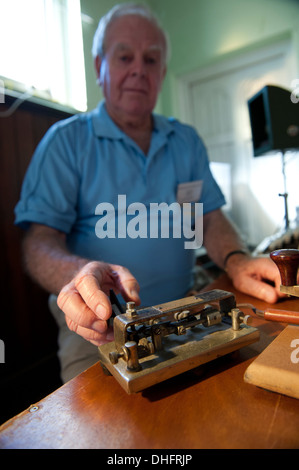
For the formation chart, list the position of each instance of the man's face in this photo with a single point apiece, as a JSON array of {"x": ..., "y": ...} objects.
[{"x": 132, "y": 70}]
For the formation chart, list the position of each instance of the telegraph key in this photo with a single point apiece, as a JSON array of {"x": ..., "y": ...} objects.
[{"x": 156, "y": 343}]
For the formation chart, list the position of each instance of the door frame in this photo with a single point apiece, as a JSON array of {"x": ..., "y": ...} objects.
[{"x": 278, "y": 46}]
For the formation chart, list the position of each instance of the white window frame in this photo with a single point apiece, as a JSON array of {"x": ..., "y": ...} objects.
[{"x": 41, "y": 50}]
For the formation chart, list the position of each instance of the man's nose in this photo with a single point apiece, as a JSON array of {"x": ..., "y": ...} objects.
[{"x": 138, "y": 68}]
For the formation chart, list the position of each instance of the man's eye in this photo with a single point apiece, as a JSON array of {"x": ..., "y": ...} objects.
[
  {"x": 124, "y": 58},
  {"x": 151, "y": 60}
]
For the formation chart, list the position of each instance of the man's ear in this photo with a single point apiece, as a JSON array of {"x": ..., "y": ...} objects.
[
  {"x": 163, "y": 74},
  {"x": 97, "y": 65}
]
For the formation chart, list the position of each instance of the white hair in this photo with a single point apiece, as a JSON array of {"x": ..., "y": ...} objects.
[{"x": 98, "y": 47}]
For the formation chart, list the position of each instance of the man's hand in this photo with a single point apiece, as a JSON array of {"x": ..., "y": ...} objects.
[
  {"x": 85, "y": 300},
  {"x": 83, "y": 285},
  {"x": 258, "y": 277}
]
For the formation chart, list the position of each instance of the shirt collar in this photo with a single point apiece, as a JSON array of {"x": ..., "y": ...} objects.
[{"x": 105, "y": 127}]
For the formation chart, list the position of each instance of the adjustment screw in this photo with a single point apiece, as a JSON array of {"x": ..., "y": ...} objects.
[{"x": 131, "y": 310}]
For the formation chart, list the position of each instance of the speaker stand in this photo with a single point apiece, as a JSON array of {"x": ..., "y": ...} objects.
[{"x": 285, "y": 194}]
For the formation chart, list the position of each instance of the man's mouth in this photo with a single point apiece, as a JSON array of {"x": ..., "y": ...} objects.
[{"x": 135, "y": 90}]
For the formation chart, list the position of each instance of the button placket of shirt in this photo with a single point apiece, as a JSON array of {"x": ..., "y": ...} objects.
[
  {"x": 158, "y": 141},
  {"x": 145, "y": 161}
]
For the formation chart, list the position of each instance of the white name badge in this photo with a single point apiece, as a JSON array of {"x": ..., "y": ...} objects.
[{"x": 189, "y": 192}]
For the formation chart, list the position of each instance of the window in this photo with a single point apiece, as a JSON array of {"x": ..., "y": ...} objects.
[{"x": 41, "y": 49}]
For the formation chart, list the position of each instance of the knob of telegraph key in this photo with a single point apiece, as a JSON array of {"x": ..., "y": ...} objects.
[{"x": 287, "y": 261}]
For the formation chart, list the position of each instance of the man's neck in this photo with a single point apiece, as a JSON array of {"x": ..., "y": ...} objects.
[{"x": 136, "y": 127}]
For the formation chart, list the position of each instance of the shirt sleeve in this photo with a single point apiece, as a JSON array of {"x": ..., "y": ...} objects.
[{"x": 50, "y": 187}]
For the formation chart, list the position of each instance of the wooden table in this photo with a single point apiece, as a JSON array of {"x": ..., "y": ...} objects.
[{"x": 209, "y": 407}]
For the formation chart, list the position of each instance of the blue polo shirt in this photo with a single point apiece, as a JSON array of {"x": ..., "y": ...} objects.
[{"x": 84, "y": 167}]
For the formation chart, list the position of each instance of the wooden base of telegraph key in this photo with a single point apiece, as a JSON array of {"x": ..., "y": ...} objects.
[{"x": 277, "y": 367}]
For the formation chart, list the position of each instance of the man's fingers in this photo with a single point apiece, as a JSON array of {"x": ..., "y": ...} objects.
[
  {"x": 259, "y": 289},
  {"x": 258, "y": 277},
  {"x": 85, "y": 301},
  {"x": 96, "y": 279},
  {"x": 77, "y": 312},
  {"x": 92, "y": 336},
  {"x": 126, "y": 283},
  {"x": 89, "y": 288}
]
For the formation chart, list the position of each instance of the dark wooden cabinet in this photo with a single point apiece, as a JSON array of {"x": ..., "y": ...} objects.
[{"x": 27, "y": 328}]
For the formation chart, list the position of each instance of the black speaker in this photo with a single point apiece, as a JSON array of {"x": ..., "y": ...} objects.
[{"x": 274, "y": 120}]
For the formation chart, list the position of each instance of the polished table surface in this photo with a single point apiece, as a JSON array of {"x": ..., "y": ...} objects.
[{"x": 210, "y": 407}]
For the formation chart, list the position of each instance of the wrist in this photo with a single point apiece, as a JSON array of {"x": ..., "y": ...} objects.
[{"x": 232, "y": 257}]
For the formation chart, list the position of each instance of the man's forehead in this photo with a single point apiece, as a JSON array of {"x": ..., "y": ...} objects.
[
  {"x": 131, "y": 30},
  {"x": 123, "y": 46}
]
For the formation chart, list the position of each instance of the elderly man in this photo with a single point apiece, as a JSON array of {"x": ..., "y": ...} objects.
[{"x": 122, "y": 148}]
